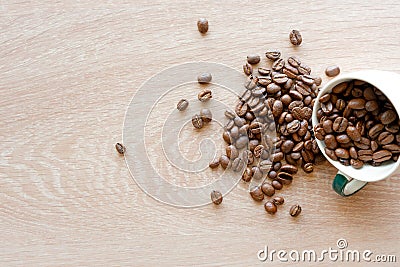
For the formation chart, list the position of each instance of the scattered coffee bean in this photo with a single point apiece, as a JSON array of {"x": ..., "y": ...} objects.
[
  {"x": 295, "y": 210},
  {"x": 216, "y": 197},
  {"x": 308, "y": 167},
  {"x": 120, "y": 148},
  {"x": 278, "y": 200},
  {"x": 295, "y": 37},
  {"x": 256, "y": 193},
  {"x": 205, "y": 115},
  {"x": 284, "y": 178},
  {"x": 197, "y": 121},
  {"x": 247, "y": 175},
  {"x": 224, "y": 161},
  {"x": 268, "y": 189},
  {"x": 276, "y": 184},
  {"x": 214, "y": 163},
  {"x": 247, "y": 69},
  {"x": 182, "y": 104},
  {"x": 204, "y": 78},
  {"x": 253, "y": 59},
  {"x": 332, "y": 71},
  {"x": 202, "y": 25},
  {"x": 270, "y": 207},
  {"x": 205, "y": 95}
]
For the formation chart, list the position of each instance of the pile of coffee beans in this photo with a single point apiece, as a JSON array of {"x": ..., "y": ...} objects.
[{"x": 358, "y": 125}]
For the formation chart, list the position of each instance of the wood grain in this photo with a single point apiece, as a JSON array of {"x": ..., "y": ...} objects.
[{"x": 68, "y": 72}]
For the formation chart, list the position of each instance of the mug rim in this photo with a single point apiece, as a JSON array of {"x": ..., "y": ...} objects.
[{"x": 344, "y": 169}]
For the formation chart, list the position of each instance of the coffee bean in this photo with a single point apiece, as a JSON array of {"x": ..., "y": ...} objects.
[
  {"x": 237, "y": 165},
  {"x": 340, "y": 124},
  {"x": 394, "y": 148},
  {"x": 182, "y": 104},
  {"x": 264, "y": 71},
  {"x": 332, "y": 71},
  {"x": 268, "y": 189},
  {"x": 327, "y": 126},
  {"x": 356, "y": 164},
  {"x": 291, "y": 169},
  {"x": 385, "y": 138},
  {"x": 232, "y": 152},
  {"x": 295, "y": 210},
  {"x": 239, "y": 121},
  {"x": 242, "y": 141},
  {"x": 278, "y": 64},
  {"x": 273, "y": 88},
  {"x": 258, "y": 150},
  {"x": 284, "y": 178},
  {"x": 253, "y": 59},
  {"x": 280, "y": 78},
  {"x": 287, "y": 146},
  {"x": 353, "y": 133},
  {"x": 270, "y": 207},
  {"x": 371, "y": 105},
  {"x": 204, "y": 95},
  {"x": 204, "y": 78},
  {"x": 216, "y": 197},
  {"x": 330, "y": 153},
  {"x": 214, "y": 163},
  {"x": 343, "y": 139},
  {"x": 327, "y": 107},
  {"x": 308, "y": 167},
  {"x": 247, "y": 69},
  {"x": 273, "y": 54},
  {"x": 224, "y": 161},
  {"x": 308, "y": 156},
  {"x": 277, "y": 156},
  {"x": 205, "y": 115},
  {"x": 388, "y": 117},
  {"x": 342, "y": 153},
  {"x": 340, "y": 104},
  {"x": 276, "y": 184},
  {"x": 340, "y": 88},
  {"x": 234, "y": 132},
  {"x": 364, "y": 143},
  {"x": 365, "y": 154},
  {"x": 256, "y": 193},
  {"x": 197, "y": 121},
  {"x": 375, "y": 131},
  {"x": 295, "y": 37},
  {"x": 277, "y": 108},
  {"x": 278, "y": 200},
  {"x": 293, "y": 126},
  {"x": 247, "y": 175},
  {"x": 353, "y": 153},
  {"x": 265, "y": 165},
  {"x": 202, "y": 25},
  {"x": 120, "y": 148},
  {"x": 381, "y": 156},
  {"x": 356, "y": 103}
]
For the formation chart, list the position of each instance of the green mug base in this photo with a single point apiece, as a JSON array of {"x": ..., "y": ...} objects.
[{"x": 346, "y": 186}]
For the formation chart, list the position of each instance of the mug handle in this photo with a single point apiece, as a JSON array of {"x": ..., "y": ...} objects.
[{"x": 345, "y": 185}]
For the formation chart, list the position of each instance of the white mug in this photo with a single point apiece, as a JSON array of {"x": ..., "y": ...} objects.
[{"x": 349, "y": 180}]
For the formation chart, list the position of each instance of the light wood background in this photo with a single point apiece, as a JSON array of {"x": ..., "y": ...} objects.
[{"x": 68, "y": 72}]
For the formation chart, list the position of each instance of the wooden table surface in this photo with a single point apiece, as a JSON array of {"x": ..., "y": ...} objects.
[{"x": 68, "y": 72}]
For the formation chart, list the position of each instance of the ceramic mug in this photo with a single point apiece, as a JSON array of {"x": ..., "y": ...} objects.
[{"x": 349, "y": 180}]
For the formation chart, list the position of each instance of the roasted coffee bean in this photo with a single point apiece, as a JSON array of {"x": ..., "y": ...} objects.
[
  {"x": 205, "y": 115},
  {"x": 237, "y": 164},
  {"x": 257, "y": 173},
  {"x": 365, "y": 154},
  {"x": 295, "y": 37},
  {"x": 340, "y": 104},
  {"x": 293, "y": 126},
  {"x": 328, "y": 126},
  {"x": 330, "y": 153},
  {"x": 332, "y": 71},
  {"x": 357, "y": 92},
  {"x": 308, "y": 167},
  {"x": 276, "y": 184},
  {"x": 224, "y": 161},
  {"x": 253, "y": 59},
  {"x": 345, "y": 162},
  {"x": 319, "y": 133},
  {"x": 256, "y": 193},
  {"x": 265, "y": 165},
  {"x": 342, "y": 153},
  {"x": 278, "y": 200},
  {"x": 247, "y": 69},
  {"x": 202, "y": 25},
  {"x": 120, "y": 148},
  {"x": 232, "y": 152},
  {"x": 204, "y": 95},
  {"x": 242, "y": 142},
  {"x": 277, "y": 166},
  {"x": 295, "y": 210},
  {"x": 385, "y": 138},
  {"x": 247, "y": 175},
  {"x": 273, "y": 88},
  {"x": 280, "y": 78},
  {"x": 308, "y": 156},
  {"x": 356, "y": 103},
  {"x": 241, "y": 109},
  {"x": 343, "y": 139},
  {"x": 394, "y": 148},
  {"x": 264, "y": 71},
  {"x": 182, "y": 104},
  {"x": 229, "y": 114},
  {"x": 371, "y": 105},
  {"x": 197, "y": 121},
  {"x": 270, "y": 207},
  {"x": 295, "y": 155},
  {"x": 340, "y": 124},
  {"x": 375, "y": 131},
  {"x": 364, "y": 143},
  {"x": 287, "y": 146},
  {"x": 353, "y": 153},
  {"x": 277, "y": 156},
  {"x": 277, "y": 108},
  {"x": 268, "y": 189},
  {"x": 234, "y": 132},
  {"x": 239, "y": 121},
  {"x": 204, "y": 78},
  {"x": 216, "y": 197},
  {"x": 258, "y": 150},
  {"x": 214, "y": 163},
  {"x": 356, "y": 164},
  {"x": 289, "y": 169},
  {"x": 272, "y": 174},
  {"x": 298, "y": 147},
  {"x": 327, "y": 107},
  {"x": 278, "y": 64},
  {"x": 353, "y": 133},
  {"x": 284, "y": 178},
  {"x": 248, "y": 157},
  {"x": 273, "y": 54},
  {"x": 381, "y": 156},
  {"x": 388, "y": 117}
]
